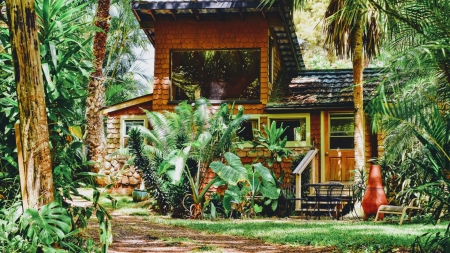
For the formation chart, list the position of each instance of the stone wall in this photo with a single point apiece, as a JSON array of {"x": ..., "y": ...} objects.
[{"x": 119, "y": 173}]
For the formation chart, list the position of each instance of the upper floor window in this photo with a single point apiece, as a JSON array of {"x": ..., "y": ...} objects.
[
  {"x": 342, "y": 131},
  {"x": 216, "y": 74}
]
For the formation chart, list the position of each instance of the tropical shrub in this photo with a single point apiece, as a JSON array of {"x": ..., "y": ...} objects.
[
  {"x": 49, "y": 229},
  {"x": 270, "y": 140},
  {"x": 412, "y": 106},
  {"x": 167, "y": 195},
  {"x": 183, "y": 143},
  {"x": 245, "y": 183}
]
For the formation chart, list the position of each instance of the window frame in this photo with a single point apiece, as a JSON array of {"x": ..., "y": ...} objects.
[
  {"x": 123, "y": 120},
  {"x": 306, "y": 116},
  {"x": 173, "y": 88},
  {"x": 270, "y": 58},
  {"x": 247, "y": 144},
  {"x": 350, "y": 114}
]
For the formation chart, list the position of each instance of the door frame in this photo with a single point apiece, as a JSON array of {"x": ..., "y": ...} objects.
[{"x": 324, "y": 137}]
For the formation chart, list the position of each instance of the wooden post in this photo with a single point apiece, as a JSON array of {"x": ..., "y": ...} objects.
[{"x": 23, "y": 187}]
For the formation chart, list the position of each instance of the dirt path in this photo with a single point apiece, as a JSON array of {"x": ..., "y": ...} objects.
[{"x": 134, "y": 234}]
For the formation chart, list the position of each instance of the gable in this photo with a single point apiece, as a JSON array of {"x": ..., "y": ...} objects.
[{"x": 149, "y": 13}]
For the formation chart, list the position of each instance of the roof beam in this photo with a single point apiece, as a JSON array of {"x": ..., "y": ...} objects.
[
  {"x": 152, "y": 14},
  {"x": 150, "y": 36},
  {"x": 219, "y": 14},
  {"x": 174, "y": 14},
  {"x": 241, "y": 14},
  {"x": 136, "y": 16},
  {"x": 196, "y": 14}
]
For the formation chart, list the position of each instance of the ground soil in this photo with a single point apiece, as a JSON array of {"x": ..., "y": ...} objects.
[{"x": 136, "y": 234}]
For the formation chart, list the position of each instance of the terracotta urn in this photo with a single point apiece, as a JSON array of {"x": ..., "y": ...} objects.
[{"x": 375, "y": 195}]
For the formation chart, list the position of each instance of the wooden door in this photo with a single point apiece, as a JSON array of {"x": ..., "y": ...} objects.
[{"x": 339, "y": 143}]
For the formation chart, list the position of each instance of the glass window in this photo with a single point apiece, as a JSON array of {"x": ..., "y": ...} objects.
[
  {"x": 245, "y": 133},
  {"x": 128, "y": 124},
  {"x": 295, "y": 128},
  {"x": 216, "y": 74},
  {"x": 342, "y": 131}
]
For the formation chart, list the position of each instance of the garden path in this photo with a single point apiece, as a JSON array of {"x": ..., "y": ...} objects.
[{"x": 133, "y": 234}]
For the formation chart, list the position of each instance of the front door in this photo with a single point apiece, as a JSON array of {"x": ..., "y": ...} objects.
[{"x": 339, "y": 146}]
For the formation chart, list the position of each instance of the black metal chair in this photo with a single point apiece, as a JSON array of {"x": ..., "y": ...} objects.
[
  {"x": 328, "y": 195},
  {"x": 289, "y": 193},
  {"x": 334, "y": 198}
]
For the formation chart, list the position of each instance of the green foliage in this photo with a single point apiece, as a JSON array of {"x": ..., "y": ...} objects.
[
  {"x": 432, "y": 242},
  {"x": 66, "y": 66},
  {"x": 48, "y": 229},
  {"x": 271, "y": 140},
  {"x": 359, "y": 183},
  {"x": 246, "y": 182},
  {"x": 167, "y": 195},
  {"x": 125, "y": 63},
  {"x": 412, "y": 105},
  {"x": 48, "y": 225},
  {"x": 186, "y": 141},
  {"x": 53, "y": 228}
]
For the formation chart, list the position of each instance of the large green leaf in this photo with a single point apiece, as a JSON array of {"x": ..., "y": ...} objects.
[
  {"x": 175, "y": 164},
  {"x": 264, "y": 173},
  {"x": 232, "y": 173},
  {"x": 269, "y": 191},
  {"x": 50, "y": 224}
]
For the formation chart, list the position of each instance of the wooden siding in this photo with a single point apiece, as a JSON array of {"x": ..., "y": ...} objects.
[{"x": 249, "y": 33}]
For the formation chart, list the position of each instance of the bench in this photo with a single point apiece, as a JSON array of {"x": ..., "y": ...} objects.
[{"x": 401, "y": 210}]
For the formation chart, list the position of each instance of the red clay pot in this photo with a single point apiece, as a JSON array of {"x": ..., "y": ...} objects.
[{"x": 374, "y": 196}]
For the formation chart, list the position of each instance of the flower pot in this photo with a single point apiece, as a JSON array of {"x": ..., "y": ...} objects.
[
  {"x": 139, "y": 195},
  {"x": 374, "y": 196}
]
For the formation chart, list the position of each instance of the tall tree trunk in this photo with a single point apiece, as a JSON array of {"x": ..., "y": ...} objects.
[
  {"x": 358, "y": 68},
  {"x": 95, "y": 136},
  {"x": 32, "y": 109}
]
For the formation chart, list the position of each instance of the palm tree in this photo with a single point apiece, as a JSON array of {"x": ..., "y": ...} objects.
[
  {"x": 353, "y": 28},
  {"x": 413, "y": 105},
  {"x": 37, "y": 179},
  {"x": 95, "y": 137},
  {"x": 125, "y": 56}
]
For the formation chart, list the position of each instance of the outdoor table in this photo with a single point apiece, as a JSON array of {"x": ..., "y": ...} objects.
[{"x": 329, "y": 194}]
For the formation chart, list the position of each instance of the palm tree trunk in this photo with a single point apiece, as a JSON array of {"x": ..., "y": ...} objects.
[
  {"x": 358, "y": 67},
  {"x": 34, "y": 134},
  {"x": 95, "y": 136}
]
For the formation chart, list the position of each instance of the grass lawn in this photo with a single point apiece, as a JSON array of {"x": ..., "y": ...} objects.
[{"x": 345, "y": 235}]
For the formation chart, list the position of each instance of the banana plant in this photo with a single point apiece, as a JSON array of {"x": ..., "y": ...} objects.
[
  {"x": 245, "y": 182},
  {"x": 271, "y": 140}
]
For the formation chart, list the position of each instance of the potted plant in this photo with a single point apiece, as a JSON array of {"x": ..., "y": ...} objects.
[{"x": 140, "y": 194}]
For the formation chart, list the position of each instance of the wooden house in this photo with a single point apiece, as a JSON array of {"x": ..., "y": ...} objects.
[{"x": 235, "y": 51}]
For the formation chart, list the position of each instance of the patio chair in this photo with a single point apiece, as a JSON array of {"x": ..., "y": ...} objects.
[
  {"x": 401, "y": 210},
  {"x": 289, "y": 192}
]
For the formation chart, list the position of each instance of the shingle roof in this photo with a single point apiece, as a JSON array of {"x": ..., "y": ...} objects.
[{"x": 325, "y": 88}]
